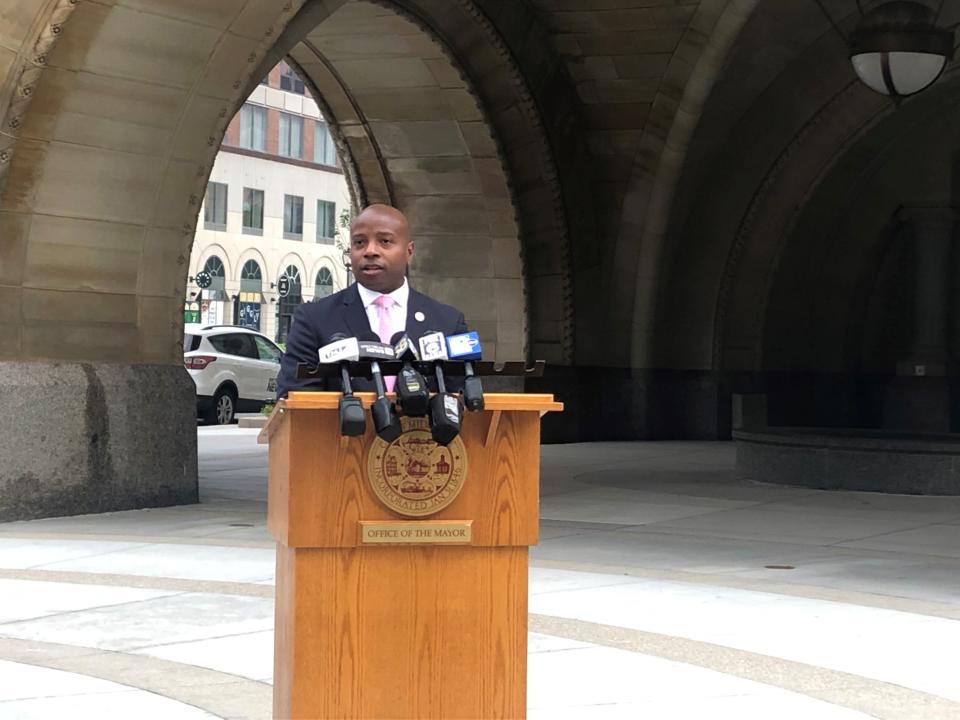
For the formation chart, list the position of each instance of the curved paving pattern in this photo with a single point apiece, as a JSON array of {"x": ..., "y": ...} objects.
[{"x": 671, "y": 609}]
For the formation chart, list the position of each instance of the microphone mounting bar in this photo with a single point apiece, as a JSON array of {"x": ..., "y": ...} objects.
[{"x": 451, "y": 368}]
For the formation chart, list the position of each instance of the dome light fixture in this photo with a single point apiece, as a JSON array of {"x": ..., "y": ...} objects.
[{"x": 897, "y": 49}]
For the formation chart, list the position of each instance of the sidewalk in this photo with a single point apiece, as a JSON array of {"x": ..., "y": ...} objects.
[{"x": 662, "y": 588}]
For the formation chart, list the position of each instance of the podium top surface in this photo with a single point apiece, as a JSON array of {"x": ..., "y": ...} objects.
[{"x": 324, "y": 400}]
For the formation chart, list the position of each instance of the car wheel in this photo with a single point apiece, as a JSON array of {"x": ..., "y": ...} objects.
[{"x": 223, "y": 409}]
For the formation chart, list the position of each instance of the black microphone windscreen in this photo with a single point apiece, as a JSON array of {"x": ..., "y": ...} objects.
[
  {"x": 368, "y": 336},
  {"x": 395, "y": 338},
  {"x": 336, "y": 337}
]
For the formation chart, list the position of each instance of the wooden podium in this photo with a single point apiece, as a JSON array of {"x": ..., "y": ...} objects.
[{"x": 384, "y": 616}]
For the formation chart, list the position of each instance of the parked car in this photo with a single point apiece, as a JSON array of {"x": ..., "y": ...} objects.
[{"x": 235, "y": 369}]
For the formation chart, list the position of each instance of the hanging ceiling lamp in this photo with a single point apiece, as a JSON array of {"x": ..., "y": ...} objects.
[{"x": 898, "y": 50}]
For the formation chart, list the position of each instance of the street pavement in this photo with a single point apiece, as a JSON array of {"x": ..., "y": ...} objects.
[{"x": 663, "y": 587}]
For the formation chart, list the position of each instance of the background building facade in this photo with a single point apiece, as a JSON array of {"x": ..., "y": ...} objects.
[{"x": 272, "y": 209}]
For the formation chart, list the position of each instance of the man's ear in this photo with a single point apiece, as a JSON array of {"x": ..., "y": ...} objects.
[{"x": 409, "y": 250}]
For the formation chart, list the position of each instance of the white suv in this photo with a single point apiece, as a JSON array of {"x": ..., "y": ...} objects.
[{"x": 235, "y": 369}]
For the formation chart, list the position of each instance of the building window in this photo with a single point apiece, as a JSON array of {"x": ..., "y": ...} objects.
[
  {"x": 252, "y": 211},
  {"x": 293, "y": 217},
  {"x": 291, "y": 135},
  {"x": 324, "y": 284},
  {"x": 326, "y": 222},
  {"x": 289, "y": 80},
  {"x": 253, "y": 127},
  {"x": 250, "y": 300},
  {"x": 288, "y": 304},
  {"x": 215, "y": 207},
  {"x": 214, "y": 266},
  {"x": 324, "y": 151}
]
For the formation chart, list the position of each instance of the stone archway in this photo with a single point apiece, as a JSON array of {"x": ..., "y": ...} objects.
[{"x": 110, "y": 133}]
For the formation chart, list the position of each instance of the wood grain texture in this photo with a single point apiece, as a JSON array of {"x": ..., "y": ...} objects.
[
  {"x": 401, "y": 631},
  {"x": 397, "y": 632},
  {"x": 327, "y": 492}
]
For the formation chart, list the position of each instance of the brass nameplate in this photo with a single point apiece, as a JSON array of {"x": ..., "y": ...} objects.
[{"x": 425, "y": 532}]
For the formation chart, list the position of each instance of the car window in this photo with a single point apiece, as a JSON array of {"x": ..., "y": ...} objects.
[
  {"x": 191, "y": 342},
  {"x": 240, "y": 344},
  {"x": 268, "y": 351}
]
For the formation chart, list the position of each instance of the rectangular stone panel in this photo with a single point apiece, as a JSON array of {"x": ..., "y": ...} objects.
[
  {"x": 200, "y": 123},
  {"x": 125, "y": 43},
  {"x": 462, "y": 105},
  {"x": 453, "y": 255},
  {"x": 257, "y": 16},
  {"x": 418, "y": 139},
  {"x": 447, "y": 214},
  {"x": 173, "y": 207},
  {"x": 160, "y": 272},
  {"x": 445, "y": 75},
  {"x": 628, "y": 43},
  {"x": 79, "y": 181},
  {"x": 434, "y": 175},
  {"x": 16, "y": 21},
  {"x": 646, "y": 65},
  {"x": 13, "y": 246},
  {"x": 215, "y": 13},
  {"x": 87, "y": 109},
  {"x": 370, "y": 46},
  {"x": 20, "y": 189},
  {"x": 159, "y": 333},
  {"x": 592, "y": 68},
  {"x": 510, "y": 300},
  {"x": 72, "y": 254},
  {"x": 56, "y": 306},
  {"x": 385, "y": 73},
  {"x": 8, "y": 68},
  {"x": 473, "y": 296},
  {"x": 493, "y": 182},
  {"x": 10, "y": 323},
  {"x": 229, "y": 63},
  {"x": 80, "y": 341},
  {"x": 427, "y": 103},
  {"x": 506, "y": 258},
  {"x": 478, "y": 140}
]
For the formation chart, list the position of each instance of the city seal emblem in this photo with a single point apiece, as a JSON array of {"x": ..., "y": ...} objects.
[{"x": 413, "y": 476}]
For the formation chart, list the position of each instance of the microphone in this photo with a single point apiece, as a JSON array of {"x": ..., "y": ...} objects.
[
  {"x": 445, "y": 413},
  {"x": 343, "y": 349},
  {"x": 411, "y": 387},
  {"x": 385, "y": 418},
  {"x": 466, "y": 347}
]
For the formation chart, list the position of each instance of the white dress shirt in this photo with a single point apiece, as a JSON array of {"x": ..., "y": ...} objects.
[{"x": 398, "y": 313}]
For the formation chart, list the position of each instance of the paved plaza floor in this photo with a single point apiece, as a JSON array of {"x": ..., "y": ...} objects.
[{"x": 663, "y": 587}]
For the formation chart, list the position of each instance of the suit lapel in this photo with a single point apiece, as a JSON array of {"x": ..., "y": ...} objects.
[
  {"x": 417, "y": 308},
  {"x": 354, "y": 314}
]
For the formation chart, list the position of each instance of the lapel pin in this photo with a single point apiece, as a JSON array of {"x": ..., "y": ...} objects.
[{"x": 420, "y": 317}]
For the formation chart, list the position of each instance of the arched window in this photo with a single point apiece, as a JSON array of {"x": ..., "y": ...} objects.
[
  {"x": 288, "y": 304},
  {"x": 214, "y": 266},
  {"x": 250, "y": 300},
  {"x": 251, "y": 279},
  {"x": 324, "y": 284}
]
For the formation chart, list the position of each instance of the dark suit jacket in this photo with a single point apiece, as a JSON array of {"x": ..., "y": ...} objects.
[{"x": 314, "y": 323}]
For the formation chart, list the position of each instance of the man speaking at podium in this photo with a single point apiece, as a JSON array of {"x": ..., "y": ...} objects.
[{"x": 381, "y": 301}]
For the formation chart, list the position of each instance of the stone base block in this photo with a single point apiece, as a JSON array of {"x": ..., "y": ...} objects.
[
  {"x": 80, "y": 438},
  {"x": 874, "y": 461}
]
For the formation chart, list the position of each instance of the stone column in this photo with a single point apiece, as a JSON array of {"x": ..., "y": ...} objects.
[
  {"x": 79, "y": 438},
  {"x": 919, "y": 399}
]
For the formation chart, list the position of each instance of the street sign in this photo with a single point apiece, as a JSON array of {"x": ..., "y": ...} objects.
[
  {"x": 204, "y": 279},
  {"x": 283, "y": 286}
]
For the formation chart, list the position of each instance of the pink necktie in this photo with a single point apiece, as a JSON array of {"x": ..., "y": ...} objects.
[{"x": 384, "y": 303}]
